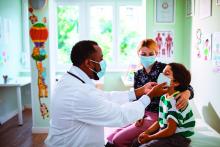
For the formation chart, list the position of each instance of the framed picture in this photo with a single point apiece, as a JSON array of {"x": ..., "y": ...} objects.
[
  {"x": 189, "y": 8},
  {"x": 165, "y": 11},
  {"x": 205, "y": 8},
  {"x": 218, "y": 2}
]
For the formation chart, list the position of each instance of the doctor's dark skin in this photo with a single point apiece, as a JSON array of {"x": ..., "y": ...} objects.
[{"x": 151, "y": 88}]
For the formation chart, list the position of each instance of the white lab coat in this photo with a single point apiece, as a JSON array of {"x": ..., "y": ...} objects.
[{"x": 79, "y": 112}]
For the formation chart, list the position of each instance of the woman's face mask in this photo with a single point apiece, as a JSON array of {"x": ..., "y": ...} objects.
[
  {"x": 103, "y": 65},
  {"x": 146, "y": 61}
]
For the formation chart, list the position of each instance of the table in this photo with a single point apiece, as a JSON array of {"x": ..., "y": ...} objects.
[
  {"x": 126, "y": 82},
  {"x": 17, "y": 83}
]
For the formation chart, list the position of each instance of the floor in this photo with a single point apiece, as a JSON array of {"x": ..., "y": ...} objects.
[{"x": 12, "y": 135}]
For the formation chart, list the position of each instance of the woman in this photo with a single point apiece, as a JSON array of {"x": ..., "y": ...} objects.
[{"x": 147, "y": 52}]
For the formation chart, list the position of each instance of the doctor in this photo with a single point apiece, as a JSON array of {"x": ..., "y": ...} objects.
[{"x": 80, "y": 111}]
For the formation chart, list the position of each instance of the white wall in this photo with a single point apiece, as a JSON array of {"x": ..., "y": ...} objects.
[{"x": 206, "y": 83}]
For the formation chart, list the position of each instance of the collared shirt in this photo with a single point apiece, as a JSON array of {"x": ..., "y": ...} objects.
[{"x": 80, "y": 111}]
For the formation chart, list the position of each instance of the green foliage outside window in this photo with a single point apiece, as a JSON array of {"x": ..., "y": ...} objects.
[{"x": 68, "y": 24}]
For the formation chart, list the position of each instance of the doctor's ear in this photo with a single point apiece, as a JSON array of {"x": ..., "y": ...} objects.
[{"x": 87, "y": 63}]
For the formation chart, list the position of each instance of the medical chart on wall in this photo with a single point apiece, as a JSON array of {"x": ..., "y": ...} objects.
[
  {"x": 216, "y": 51},
  {"x": 165, "y": 42}
]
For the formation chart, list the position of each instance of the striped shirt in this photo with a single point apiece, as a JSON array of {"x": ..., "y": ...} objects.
[{"x": 184, "y": 118}]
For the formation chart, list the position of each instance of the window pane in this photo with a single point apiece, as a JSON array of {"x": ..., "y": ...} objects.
[
  {"x": 130, "y": 33},
  {"x": 68, "y": 31},
  {"x": 101, "y": 29}
]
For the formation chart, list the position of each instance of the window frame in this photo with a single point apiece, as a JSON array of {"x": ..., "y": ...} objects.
[{"x": 84, "y": 33}]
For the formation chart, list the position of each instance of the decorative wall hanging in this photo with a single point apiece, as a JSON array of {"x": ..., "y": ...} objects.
[
  {"x": 39, "y": 35},
  {"x": 207, "y": 47},
  {"x": 198, "y": 42}
]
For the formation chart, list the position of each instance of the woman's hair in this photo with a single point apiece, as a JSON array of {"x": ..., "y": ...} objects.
[
  {"x": 149, "y": 43},
  {"x": 180, "y": 75}
]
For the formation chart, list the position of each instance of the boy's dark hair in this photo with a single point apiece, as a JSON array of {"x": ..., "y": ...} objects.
[
  {"x": 180, "y": 75},
  {"x": 81, "y": 51}
]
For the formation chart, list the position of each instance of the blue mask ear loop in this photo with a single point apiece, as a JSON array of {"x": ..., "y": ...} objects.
[
  {"x": 93, "y": 69},
  {"x": 96, "y": 63}
]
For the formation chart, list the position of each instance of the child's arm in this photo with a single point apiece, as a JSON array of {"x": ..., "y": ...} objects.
[
  {"x": 168, "y": 131},
  {"x": 143, "y": 137},
  {"x": 154, "y": 127}
]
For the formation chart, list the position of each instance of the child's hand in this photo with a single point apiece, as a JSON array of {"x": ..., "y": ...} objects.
[
  {"x": 139, "y": 123},
  {"x": 144, "y": 138}
]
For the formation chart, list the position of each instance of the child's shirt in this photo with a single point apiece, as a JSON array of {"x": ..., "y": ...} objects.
[{"x": 184, "y": 118}]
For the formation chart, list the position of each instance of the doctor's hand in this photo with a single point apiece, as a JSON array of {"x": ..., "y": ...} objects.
[
  {"x": 158, "y": 90},
  {"x": 144, "y": 89},
  {"x": 148, "y": 86}
]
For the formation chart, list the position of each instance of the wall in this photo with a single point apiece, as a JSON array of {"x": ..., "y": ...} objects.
[
  {"x": 177, "y": 27},
  {"x": 12, "y": 11},
  {"x": 205, "y": 81},
  {"x": 40, "y": 97},
  {"x": 180, "y": 27},
  {"x": 112, "y": 81}
]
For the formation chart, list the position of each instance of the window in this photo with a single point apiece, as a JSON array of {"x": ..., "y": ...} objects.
[
  {"x": 117, "y": 27},
  {"x": 68, "y": 31}
]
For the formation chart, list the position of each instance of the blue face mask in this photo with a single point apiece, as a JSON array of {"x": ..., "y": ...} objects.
[
  {"x": 162, "y": 78},
  {"x": 102, "y": 64},
  {"x": 147, "y": 61}
]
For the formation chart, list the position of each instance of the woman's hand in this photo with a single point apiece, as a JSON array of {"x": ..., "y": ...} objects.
[
  {"x": 144, "y": 138},
  {"x": 183, "y": 99},
  {"x": 139, "y": 123}
]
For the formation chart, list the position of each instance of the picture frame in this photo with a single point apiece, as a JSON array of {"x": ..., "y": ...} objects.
[
  {"x": 205, "y": 8},
  {"x": 218, "y": 2},
  {"x": 190, "y": 8},
  {"x": 165, "y": 11}
]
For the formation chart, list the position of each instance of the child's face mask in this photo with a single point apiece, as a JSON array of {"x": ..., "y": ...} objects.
[{"x": 162, "y": 78}]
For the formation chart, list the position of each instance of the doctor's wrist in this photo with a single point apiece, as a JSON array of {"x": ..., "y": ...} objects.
[
  {"x": 139, "y": 91},
  {"x": 145, "y": 100}
]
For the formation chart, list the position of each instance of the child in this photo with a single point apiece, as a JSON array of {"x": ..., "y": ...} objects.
[{"x": 175, "y": 126}]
